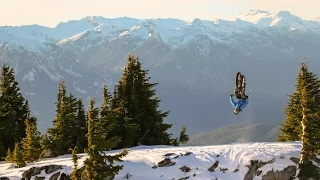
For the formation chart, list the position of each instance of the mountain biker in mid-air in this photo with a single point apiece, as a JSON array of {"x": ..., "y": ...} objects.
[{"x": 239, "y": 92}]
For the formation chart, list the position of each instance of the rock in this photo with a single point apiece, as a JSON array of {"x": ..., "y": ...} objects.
[
  {"x": 4, "y": 178},
  {"x": 213, "y": 167},
  {"x": 223, "y": 169},
  {"x": 287, "y": 173},
  {"x": 253, "y": 168},
  {"x": 39, "y": 178},
  {"x": 32, "y": 172},
  {"x": 64, "y": 177},
  {"x": 37, "y": 170},
  {"x": 166, "y": 162},
  {"x": 127, "y": 176},
  {"x": 237, "y": 169},
  {"x": 188, "y": 153},
  {"x": 169, "y": 154},
  {"x": 154, "y": 167},
  {"x": 259, "y": 173},
  {"x": 176, "y": 157},
  {"x": 185, "y": 169},
  {"x": 295, "y": 160},
  {"x": 52, "y": 168},
  {"x": 271, "y": 161},
  {"x": 281, "y": 157},
  {"x": 184, "y": 178},
  {"x": 55, "y": 176}
]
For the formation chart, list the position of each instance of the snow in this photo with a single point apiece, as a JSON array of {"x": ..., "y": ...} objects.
[
  {"x": 140, "y": 160},
  {"x": 29, "y": 76},
  {"x": 70, "y": 71},
  {"x": 281, "y": 19},
  {"x": 172, "y": 32},
  {"x": 76, "y": 87}
]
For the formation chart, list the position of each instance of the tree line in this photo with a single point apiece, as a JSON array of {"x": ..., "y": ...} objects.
[
  {"x": 302, "y": 122},
  {"x": 127, "y": 117}
]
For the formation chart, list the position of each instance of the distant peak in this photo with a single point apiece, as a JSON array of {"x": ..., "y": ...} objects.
[
  {"x": 255, "y": 12},
  {"x": 317, "y": 20},
  {"x": 258, "y": 11},
  {"x": 196, "y": 21},
  {"x": 284, "y": 14}
]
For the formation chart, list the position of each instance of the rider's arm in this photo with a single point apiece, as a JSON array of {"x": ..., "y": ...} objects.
[{"x": 232, "y": 101}]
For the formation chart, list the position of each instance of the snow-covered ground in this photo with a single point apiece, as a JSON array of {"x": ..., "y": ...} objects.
[{"x": 140, "y": 160}]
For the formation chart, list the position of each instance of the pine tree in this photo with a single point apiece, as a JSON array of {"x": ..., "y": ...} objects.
[
  {"x": 99, "y": 166},
  {"x": 46, "y": 145},
  {"x": 175, "y": 142},
  {"x": 291, "y": 130},
  {"x": 184, "y": 138},
  {"x": 76, "y": 174},
  {"x": 310, "y": 103},
  {"x": 81, "y": 127},
  {"x": 2, "y": 151},
  {"x": 135, "y": 95},
  {"x": 31, "y": 143},
  {"x": 13, "y": 110},
  {"x": 64, "y": 133},
  {"x": 107, "y": 116},
  {"x": 18, "y": 156},
  {"x": 9, "y": 157}
]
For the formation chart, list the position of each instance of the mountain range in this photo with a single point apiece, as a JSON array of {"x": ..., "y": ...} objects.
[
  {"x": 236, "y": 133},
  {"x": 195, "y": 62}
]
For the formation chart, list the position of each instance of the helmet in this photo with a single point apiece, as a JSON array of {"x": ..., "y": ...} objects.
[{"x": 236, "y": 111}]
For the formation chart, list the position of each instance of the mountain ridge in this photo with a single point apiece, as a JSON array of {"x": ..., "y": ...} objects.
[{"x": 99, "y": 24}]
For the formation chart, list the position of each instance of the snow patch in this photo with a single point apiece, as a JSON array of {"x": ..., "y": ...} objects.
[
  {"x": 70, "y": 71},
  {"x": 30, "y": 93},
  {"x": 76, "y": 87},
  {"x": 29, "y": 76}
]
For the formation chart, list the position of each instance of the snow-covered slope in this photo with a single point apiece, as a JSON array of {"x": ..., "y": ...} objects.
[
  {"x": 173, "y": 32},
  {"x": 142, "y": 161}
]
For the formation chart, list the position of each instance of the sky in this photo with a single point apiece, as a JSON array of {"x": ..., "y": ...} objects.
[{"x": 51, "y": 12}]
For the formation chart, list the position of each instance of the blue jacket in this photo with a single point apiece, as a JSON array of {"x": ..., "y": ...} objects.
[{"x": 240, "y": 104}]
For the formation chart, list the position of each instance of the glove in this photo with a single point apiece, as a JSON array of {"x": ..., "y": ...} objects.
[{"x": 231, "y": 95}]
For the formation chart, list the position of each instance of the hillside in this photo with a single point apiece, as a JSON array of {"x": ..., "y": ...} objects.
[
  {"x": 223, "y": 162},
  {"x": 242, "y": 133}
]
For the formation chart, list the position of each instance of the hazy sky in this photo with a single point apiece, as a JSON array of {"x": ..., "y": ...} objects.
[{"x": 51, "y": 12}]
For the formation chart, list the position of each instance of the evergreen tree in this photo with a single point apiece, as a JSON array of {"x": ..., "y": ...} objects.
[
  {"x": 98, "y": 165},
  {"x": 2, "y": 151},
  {"x": 13, "y": 110},
  {"x": 75, "y": 175},
  {"x": 184, "y": 138},
  {"x": 175, "y": 142},
  {"x": 125, "y": 128},
  {"x": 64, "y": 133},
  {"x": 108, "y": 117},
  {"x": 31, "y": 143},
  {"x": 81, "y": 127},
  {"x": 18, "y": 156},
  {"x": 135, "y": 100},
  {"x": 45, "y": 146},
  {"x": 291, "y": 130},
  {"x": 310, "y": 103},
  {"x": 9, "y": 157}
]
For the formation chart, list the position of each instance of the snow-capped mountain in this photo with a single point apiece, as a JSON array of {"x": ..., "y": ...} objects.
[{"x": 193, "y": 62}]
